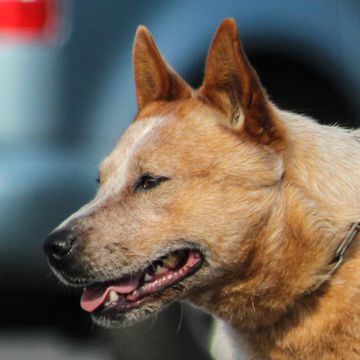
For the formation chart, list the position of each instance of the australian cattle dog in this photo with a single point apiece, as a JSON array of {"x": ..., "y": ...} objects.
[{"x": 218, "y": 197}]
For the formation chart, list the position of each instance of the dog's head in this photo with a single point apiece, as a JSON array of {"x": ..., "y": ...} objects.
[{"x": 185, "y": 195}]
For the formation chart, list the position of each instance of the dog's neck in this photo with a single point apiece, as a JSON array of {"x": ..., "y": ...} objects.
[
  {"x": 339, "y": 255},
  {"x": 277, "y": 308},
  {"x": 321, "y": 315},
  {"x": 323, "y": 178},
  {"x": 318, "y": 324},
  {"x": 323, "y": 162}
]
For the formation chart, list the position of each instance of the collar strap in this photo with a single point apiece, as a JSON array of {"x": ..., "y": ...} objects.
[
  {"x": 339, "y": 255},
  {"x": 344, "y": 245}
]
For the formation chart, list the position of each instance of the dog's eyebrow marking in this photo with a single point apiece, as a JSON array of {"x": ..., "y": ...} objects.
[
  {"x": 121, "y": 157},
  {"x": 134, "y": 137}
]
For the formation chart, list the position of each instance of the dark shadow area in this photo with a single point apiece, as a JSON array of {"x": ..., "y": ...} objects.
[
  {"x": 299, "y": 87},
  {"x": 28, "y": 309}
]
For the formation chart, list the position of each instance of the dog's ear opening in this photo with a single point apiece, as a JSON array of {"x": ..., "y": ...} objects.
[
  {"x": 155, "y": 80},
  {"x": 233, "y": 87}
]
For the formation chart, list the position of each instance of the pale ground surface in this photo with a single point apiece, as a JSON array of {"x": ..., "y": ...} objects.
[{"x": 33, "y": 345}]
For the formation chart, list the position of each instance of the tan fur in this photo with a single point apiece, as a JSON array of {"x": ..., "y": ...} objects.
[
  {"x": 154, "y": 78},
  {"x": 267, "y": 195}
]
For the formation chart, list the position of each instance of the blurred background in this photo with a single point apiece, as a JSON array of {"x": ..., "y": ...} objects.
[{"x": 67, "y": 94}]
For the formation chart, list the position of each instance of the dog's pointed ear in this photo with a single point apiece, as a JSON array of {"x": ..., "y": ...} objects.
[
  {"x": 154, "y": 78},
  {"x": 232, "y": 85}
]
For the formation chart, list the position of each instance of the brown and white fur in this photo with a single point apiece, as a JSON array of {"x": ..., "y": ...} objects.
[{"x": 265, "y": 195}]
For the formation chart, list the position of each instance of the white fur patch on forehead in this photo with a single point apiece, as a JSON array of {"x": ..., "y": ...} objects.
[
  {"x": 120, "y": 159},
  {"x": 135, "y": 136}
]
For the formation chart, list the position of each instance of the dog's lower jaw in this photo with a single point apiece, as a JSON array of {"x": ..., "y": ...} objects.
[
  {"x": 118, "y": 319},
  {"x": 123, "y": 319},
  {"x": 123, "y": 301},
  {"x": 112, "y": 318}
]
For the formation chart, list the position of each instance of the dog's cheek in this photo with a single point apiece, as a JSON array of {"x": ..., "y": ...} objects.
[{"x": 224, "y": 220}]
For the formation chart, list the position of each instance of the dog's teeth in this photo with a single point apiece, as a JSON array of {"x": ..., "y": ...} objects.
[
  {"x": 171, "y": 260},
  {"x": 160, "y": 269},
  {"x": 111, "y": 298},
  {"x": 147, "y": 277}
]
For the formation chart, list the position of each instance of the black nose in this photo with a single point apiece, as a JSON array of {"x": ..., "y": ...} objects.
[{"x": 59, "y": 244}]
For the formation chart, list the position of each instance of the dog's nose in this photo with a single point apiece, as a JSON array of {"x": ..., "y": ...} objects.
[{"x": 59, "y": 244}]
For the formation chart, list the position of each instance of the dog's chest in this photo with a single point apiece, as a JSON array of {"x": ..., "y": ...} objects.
[{"x": 226, "y": 344}]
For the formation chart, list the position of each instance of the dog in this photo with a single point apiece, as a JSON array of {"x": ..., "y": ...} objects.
[{"x": 218, "y": 197}]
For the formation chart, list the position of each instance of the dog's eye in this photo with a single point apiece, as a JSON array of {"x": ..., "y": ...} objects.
[{"x": 147, "y": 182}]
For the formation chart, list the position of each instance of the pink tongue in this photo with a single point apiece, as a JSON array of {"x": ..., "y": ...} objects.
[{"x": 92, "y": 299}]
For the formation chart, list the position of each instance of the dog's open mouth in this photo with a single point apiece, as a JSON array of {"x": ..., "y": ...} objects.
[{"x": 134, "y": 290}]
